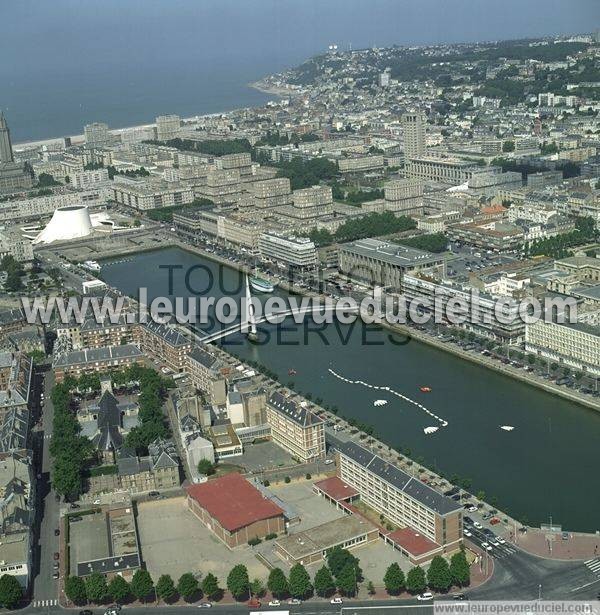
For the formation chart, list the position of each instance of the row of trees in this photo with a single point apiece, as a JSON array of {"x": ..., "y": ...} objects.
[
  {"x": 216, "y": 147},
  {"x": 435, "y": 242},
  {"x": 440, "y": 576},
  {"x": 559, "y": 245},
  {"x": 95, "y": 588},
  {"x": 372, "y": 225},
  {"x": 306, "y": 173}
]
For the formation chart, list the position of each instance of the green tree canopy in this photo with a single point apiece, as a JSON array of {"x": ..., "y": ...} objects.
[
  {"x": 206, "y": 467},
  {"x": 238, "y": 582},
  {"x": 299, "y": 582},
  {"x": 394, "y": 579},
  {"x": 96, "y": 587},
  {"x": 187, "y": 586},
  {"x": 210, "y": 587},
  {"x": 277, "y": 583},
  {"x": 415, "y": 580},
  {"x": 11, "y": 591},
  {"x": 347, "y": 580},
  {"x": 142, "y": 585},
  {"x": 118, "y": 588},
  {"x": 324, "y": 583},
  {"x": 337, "y": 559},
  {"x": 165, "y": 588},
  {"x": 460, "y": 570},
  {"x": 438, "y": 574},
  {"x": 75, "y": 590}
]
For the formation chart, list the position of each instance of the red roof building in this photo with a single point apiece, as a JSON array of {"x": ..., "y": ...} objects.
[
  {"x": 415, "y": 546},
  {"x": 234, "y": 510}
]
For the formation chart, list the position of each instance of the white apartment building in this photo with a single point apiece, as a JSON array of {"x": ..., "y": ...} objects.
[
  {"x": 167, "y": 127},
  {"x": 447, "y": 170},
  {"x": 85, "y": 180},
  {"x": 404, "y": 196},
  {"x": 288, "y": 250},
  {"x": 147, "y": 193},
  {"x": 96, "y": 134},
  {"x": 360, "y": 164},
  {"x": 479, "y": 311},
  {"x": 271, "y": 192},
  {"x": 576, "y": 345}
]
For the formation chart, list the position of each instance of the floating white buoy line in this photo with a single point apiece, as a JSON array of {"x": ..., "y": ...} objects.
[
  {"x": 507, "y": 427},
  {"x": 380, "y": 402},
  {"x": 429, "y": 430},
  {"x": 442, "y": 422}
]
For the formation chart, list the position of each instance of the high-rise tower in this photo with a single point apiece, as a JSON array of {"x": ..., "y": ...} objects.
[
  {"x": 6, "y": 153},
  {"x": 414, "y": 135}
]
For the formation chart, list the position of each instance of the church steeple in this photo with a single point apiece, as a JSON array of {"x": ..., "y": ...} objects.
[{"x": 6, "y": 153}]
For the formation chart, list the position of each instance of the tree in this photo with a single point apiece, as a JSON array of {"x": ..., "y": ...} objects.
[
  {"x": 394, "y": 579},
  {"x": 415, "y": 580},
  {"x": 141, "y": 584},
  {"x": 324, "y": 583},
  {"x": 187, "y": 586},
  {"x": 438, "y": 574},
  {"x": 165, "y": 588},
  {"x": 118, "y": 588},
  {"x": 371, "y": 588},
  {"x": 210, "y": 587},
  {"x": 11, "y": 591},
  {"x": 337, "y": 559},
  {"x": 277, "y": 583},
  {"x": 206, "y": 467},
  {"x": 75, "y": 590},
  {"x": 508, "y": 146},
  {"x": 347, "y": 580},
  {"x": 96, "y": 588},
  {"x": 238, "y": 582},
  {"x": 257, "y": 588},
  {"x": 300, "y": 585},
  {"x": 460, "y": 570}
]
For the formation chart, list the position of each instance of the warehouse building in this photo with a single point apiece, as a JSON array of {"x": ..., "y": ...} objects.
[{"x": 234, "y": 510}]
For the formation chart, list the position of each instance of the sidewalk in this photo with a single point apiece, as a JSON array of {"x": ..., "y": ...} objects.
[{"x": 551, "y": 545}]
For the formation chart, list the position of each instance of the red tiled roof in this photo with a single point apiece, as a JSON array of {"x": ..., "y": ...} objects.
[
  {"x": 336, "y": 489},
  {"x": 233, "y": 501},
  {"x": 413, "y": 542}
]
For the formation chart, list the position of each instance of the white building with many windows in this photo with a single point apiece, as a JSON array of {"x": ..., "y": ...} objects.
[{"x": 288, "y": 250}]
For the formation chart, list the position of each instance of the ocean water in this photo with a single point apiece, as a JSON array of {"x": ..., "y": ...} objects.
[{"x": 65, "y": 63}]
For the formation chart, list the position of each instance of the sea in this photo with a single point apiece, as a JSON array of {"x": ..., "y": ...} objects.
[{"x": 66, "y": 63}]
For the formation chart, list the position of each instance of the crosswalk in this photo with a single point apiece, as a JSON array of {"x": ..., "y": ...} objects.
[
  {"x": 44, "y": 603},
  {"x": 594, "y": 565},
  {"x": 502, "y": 551}
]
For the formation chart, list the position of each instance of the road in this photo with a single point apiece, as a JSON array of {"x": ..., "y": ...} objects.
[{"x": 45, "y": 542}]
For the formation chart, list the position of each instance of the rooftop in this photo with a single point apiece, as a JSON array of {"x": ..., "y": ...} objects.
[
  {"x": 393, "y": 253},
  {"x": 233, "y": 501}
]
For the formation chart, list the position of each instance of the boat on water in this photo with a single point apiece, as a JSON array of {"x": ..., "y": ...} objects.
[
  {"x": 292, "y": 372},
  {"x": 260, "y": 285},
  {"x": 92, "y": 265},
  {"x": 425, "y": 389}
]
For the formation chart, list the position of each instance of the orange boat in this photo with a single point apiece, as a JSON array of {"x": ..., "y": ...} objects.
[{"x": 425, "y": 389}]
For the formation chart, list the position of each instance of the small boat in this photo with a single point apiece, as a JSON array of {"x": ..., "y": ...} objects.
[
  {"x": 292, "y": 372},
  {"x": 430, "y": 430},
  {"x": 92, "y": 265},
  {"x": 261, "y": 285},
  {"x": 380, "y": 402},
  {"x": 506, "y": 427},
  {"x": 425, "y": 389}
]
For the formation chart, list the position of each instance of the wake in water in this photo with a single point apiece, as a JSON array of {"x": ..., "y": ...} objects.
[{"x": 427, "y": 430}]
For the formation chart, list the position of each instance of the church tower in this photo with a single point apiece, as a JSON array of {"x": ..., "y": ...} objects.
[{"x": 6, "y": 153}]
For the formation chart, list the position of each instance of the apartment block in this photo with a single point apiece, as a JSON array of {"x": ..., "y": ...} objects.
[
  {"x": 403, "y": 499},
  {"x": 295, "y": 428},
  {"x": 165, "y": 344}
]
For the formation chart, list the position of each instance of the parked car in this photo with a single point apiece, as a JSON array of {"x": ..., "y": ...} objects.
[
  {"x": 467, "y": 533},
  {"x": 275, "y": 603},
  {"x": 460, "y": 596},
  {"x": 56, "y": 555},
  {"x": 204, "y": 605},
  {"x": 477, "y": 525},
  {"x": 484, "y": 545},
  {"x": 425, "y": 597},
  {"x": 336, "y": 600},
  {"x": 294, "y": 601},
  {"x": 57, "y": 532},
  {"x": 55, "y": 575}
]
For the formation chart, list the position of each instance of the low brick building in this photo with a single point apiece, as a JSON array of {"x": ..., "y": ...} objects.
[{"x": 234, "y": 510}]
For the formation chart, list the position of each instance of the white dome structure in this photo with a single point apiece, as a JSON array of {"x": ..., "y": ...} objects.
[{"x": 71, "y": 222}]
